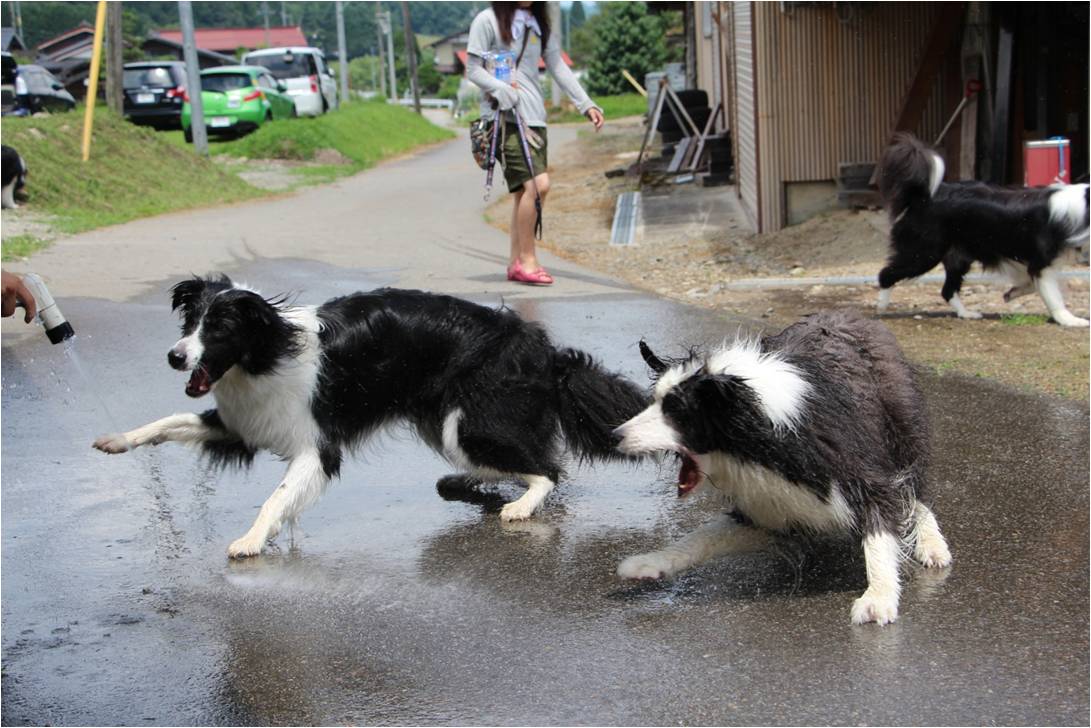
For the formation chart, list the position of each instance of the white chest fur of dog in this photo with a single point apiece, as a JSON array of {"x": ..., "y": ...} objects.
[{"x": 273, "y": 411}]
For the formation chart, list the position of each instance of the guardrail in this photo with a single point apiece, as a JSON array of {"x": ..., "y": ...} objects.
[{"x": 430, "y": 103}]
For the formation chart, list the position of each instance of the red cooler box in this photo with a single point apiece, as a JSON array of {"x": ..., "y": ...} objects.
[{"x": 1046, "y": 162}]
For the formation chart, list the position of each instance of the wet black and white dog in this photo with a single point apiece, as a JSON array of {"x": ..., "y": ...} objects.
[
  {"x": 1020, "y": 231},
  {"x": 14, "y": 171},
  {"x": 482, "y": 387},
  {"x": 821, "y": 429}
]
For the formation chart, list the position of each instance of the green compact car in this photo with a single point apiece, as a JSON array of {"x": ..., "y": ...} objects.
[{"x": 237, "y": 100}]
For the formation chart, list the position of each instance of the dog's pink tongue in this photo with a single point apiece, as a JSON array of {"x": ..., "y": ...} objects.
[
  {"x": 689, "y": 476},
  {"x": 198, "y": 384}
]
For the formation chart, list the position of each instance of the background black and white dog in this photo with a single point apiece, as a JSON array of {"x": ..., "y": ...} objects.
[
  {"x": 482, "y": 387},
  {"x": 1021, "y": 231},
  {"x": 820, "y": 429},
  {"x": 14, "y": 175}
]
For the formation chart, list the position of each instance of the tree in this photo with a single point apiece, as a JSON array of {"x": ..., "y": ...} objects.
[{"x": 625, "y": 37}]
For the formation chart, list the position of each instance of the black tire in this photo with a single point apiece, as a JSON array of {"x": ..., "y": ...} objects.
[
  {"x": 669, "y": 137},
  {"x": 325, "y": 106},
  {"x": 188, "y": 134},
  {"x": 693, "y": 97},
  {"x": 668, "y": 123}
]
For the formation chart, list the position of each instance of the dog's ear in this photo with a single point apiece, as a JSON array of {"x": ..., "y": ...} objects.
[
  {"x": 658, "y": 366},
  {"x": 186, "y": 294}
]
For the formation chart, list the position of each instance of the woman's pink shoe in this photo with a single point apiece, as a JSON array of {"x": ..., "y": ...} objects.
[{"x": 538, "y": 278}]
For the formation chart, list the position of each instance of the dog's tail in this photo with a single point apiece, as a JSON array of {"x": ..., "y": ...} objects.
[
  {"x": 909, "y": 174},
  {"x": 592, "y": 403}
]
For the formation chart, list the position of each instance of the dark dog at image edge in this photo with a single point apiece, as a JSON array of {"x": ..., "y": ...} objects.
[
  {"x": 14, "y": 172},
  {"x": 821, "y": 428},
  {"x": 1021, "y": 232},
  {"x": 482, "y": 387}
]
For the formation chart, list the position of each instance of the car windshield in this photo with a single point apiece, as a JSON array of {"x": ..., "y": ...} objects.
[
  {"x": 225, "y": 81},
  {"x": 288, "y": 65},
  {"x": 38, "y": 82},
  {"x": 158, "y": 77}
]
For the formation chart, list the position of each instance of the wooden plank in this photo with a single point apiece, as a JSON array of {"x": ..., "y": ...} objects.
[
  {"x": 944, "y": 32},
  {"x": 679, "y": 155},
  {"x": 953, "y": 96},
  {"x": 999, "y": 155}
]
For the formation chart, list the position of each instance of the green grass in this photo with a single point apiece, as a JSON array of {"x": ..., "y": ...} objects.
[
  {"x": 132, "y": 172},
  {"x": 18, "y": 247},
  {"x": 613, "y": 107},
  {"x": 365, "y": 132},
  {"x": 1024, "y": 319}
]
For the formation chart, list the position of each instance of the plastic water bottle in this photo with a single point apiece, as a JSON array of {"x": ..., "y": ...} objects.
[{"x": 503, "y": 66}]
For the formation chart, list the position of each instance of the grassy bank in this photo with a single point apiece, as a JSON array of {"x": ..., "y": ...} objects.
[
  {"x": 363, "y": 132},
  {"x": 613, "y": 107},
  {"x": 132, "y": 173}
]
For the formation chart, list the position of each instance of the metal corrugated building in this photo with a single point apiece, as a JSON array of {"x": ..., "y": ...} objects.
[{"x": 813, "y": 85}]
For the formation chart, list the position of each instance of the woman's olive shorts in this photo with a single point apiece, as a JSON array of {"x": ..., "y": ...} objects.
[{"x": 516, "y": 173}]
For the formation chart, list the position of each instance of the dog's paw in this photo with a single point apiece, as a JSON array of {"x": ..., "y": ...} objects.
[
  {"x": 874, "y": 608},
  {"x": 517, "y": 510},
  {"x": 970, "y": 315},
  {"x": 1067, "y": 319},
  {"x": 933, "y": 553},
  {"x": 245, "y": 546},
  {"x": 113, "y": 444},
  {"x": 654, "y": 565}
]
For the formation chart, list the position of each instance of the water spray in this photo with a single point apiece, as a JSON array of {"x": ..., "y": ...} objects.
[{"x": 56, "y": 325}]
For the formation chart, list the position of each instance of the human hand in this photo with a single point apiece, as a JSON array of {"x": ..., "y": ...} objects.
[
  {"x": 596, "y": 118},
  {"x": 14, "y": 294},
  {"x": 506, "y": 96}
]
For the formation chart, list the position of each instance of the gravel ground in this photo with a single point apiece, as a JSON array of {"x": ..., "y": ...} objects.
[{"x": 700, "y": 263}]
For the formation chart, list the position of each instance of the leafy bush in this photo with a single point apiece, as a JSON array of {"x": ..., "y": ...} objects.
[{"x": 627, "y": 38}]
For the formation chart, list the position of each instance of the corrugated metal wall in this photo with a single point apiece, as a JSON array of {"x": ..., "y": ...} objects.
[
  {"x": 828, "y": 88},
  {"x": 745, "y": 133}
]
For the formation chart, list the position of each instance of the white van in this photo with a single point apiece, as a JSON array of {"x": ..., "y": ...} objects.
[{"x": 309, "y": 80}]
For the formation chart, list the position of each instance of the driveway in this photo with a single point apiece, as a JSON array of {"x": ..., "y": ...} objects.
[{"x": 391, "y": 605}]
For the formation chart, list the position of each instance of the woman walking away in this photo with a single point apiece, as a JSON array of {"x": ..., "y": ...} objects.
[{"x": 522, "y": 29}]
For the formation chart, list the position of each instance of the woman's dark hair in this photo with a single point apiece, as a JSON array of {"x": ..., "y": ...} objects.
[{"x": 505, "y": 13}]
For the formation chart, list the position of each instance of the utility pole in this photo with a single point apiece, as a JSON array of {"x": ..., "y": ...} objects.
[
  {"x": 193, "y": 79},
  {"x": 283, "y": 14},
  {"x": 342, "y": 55},
  {"x": 379, "y": 52},
  {"x": 374, "y": 81},
  {"x": 411, "y": 55},
  {"x": 265, "y": 15},
  {"x": 115, "y": 93},
  {"x": 384, "y": 23}
]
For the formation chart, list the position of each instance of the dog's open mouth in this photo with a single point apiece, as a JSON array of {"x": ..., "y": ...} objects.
[
  {"x": 200, "y": 382},
  {"x": 689, "y": 476}
]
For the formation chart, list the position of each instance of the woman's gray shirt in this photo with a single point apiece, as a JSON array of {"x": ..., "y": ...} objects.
[{"x": 485, "y": 38}]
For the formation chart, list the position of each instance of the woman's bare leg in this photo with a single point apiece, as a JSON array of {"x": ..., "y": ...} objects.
[{"x": 525, "y": 216}]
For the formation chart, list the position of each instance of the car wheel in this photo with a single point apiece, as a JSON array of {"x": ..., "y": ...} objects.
[
  {"x": 188, "y": 134},
  {"x": 325, "y": 106}
]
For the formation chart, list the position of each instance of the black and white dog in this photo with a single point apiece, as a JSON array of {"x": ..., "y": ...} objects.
[
  {"x": 820, "y": 429},
  {"x": 482, "y": 387},
  {"x": 14, "y": 173},
  {"x": 1021, "y": 231}
]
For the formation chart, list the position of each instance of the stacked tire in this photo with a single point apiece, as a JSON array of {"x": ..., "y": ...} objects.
[{"x": 695, "y": 101}]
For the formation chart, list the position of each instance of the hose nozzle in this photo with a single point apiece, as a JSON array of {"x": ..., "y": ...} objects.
[{"x": 56, "y": 325}]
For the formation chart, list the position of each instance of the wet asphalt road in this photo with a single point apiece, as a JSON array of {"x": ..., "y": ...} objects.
[{"x": 391, "y": 605}]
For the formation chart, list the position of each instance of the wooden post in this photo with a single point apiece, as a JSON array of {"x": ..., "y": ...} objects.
[
  {"x": 411, "y": 55},
  {"x": 115, "y": 94},
  {"x": 999, "y": 171},
  {"x": 92, "y": 81}
]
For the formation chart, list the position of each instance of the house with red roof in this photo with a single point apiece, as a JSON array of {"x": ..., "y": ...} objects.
[{"x": 229, "y": 40}]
